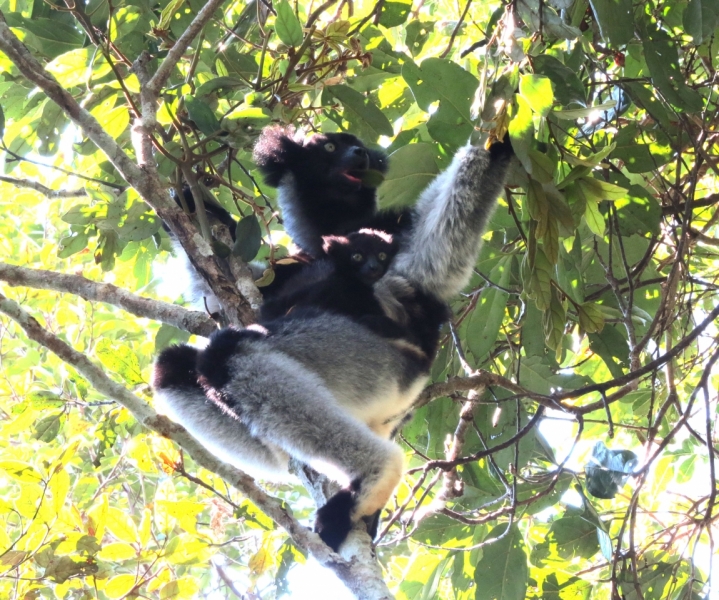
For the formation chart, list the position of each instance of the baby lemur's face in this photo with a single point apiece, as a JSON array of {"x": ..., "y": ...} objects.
[{"x": 366, "y": 253}]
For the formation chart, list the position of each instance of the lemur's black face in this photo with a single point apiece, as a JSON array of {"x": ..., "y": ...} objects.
[
  {"x": 334, "y": 163},
  {"x": 366, "y": 254},
  {"x": 344, "y": 160}
]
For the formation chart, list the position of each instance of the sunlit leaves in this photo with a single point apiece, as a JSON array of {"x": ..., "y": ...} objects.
[
  {"x": 362, "y": 112},
  {"x": 502, "y": 572},
  {"x": 443, "y": 81},
  {"x": 700, "y": 18},
  {"x": 411, "y": 169},
  {"x": 287, "y": 24},
  {"x": 248, "y": 238},
  {"x": 202, "y": 115},
  {"x": 616, "y": 20},
  {"x": 537, "y": 91}
]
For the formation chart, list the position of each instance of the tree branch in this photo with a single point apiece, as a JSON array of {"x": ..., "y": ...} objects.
[
  {"x": 360, "y": 572},
  {"x": 39, "y": 187},
  {"x": 187, "y": 320}
]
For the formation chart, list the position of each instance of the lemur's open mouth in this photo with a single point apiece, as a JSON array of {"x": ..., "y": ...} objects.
[{"x": 354, "y": 176}]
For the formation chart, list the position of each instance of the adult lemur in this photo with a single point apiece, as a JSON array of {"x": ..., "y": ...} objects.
[{"x": 324, "y": 388}]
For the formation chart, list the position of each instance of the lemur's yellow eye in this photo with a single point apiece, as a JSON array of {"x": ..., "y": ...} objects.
[
  {"x": 330, "y": 147},
  {"x": 382, "y": 256},
  {"x": 357, "y": 257}
]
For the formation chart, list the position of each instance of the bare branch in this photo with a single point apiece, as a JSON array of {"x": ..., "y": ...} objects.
[
  {"x": 43, "y": 189},
  {"x": 187, "y": 320},
  {"x": 360, "y": 572}
]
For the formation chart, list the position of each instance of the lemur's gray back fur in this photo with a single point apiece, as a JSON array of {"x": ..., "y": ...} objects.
[{"x": 326, "y": 389}]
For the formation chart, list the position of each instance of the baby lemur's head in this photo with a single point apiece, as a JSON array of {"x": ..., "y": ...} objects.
[{"x": 365, "y": 254}]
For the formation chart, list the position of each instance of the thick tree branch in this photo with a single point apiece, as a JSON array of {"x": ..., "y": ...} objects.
[
  {"x": 360, "y": 572},
  {"x": 187, "y": 320}
]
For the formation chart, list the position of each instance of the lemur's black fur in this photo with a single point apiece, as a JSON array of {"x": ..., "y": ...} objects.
[{"x": 341, "y": 281}]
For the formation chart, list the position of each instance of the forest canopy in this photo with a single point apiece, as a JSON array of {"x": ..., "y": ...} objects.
[{"x": 567, "y": 444}]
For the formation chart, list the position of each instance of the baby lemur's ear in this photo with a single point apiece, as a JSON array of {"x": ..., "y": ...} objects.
[
  {"x": 275, "y": 152},
  {"x": 334, "y": 245}
]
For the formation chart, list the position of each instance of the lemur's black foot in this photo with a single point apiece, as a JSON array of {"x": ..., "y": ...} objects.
[{"x": 333, "y": 521}]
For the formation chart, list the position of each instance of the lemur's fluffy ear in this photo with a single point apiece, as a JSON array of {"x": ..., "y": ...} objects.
[
  {"x": 273, "y": 149},
  {"x": 333, "y": 243}
]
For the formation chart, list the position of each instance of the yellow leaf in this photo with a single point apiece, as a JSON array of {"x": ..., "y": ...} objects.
[
  {"x": 145, "y": 528},
  {"x": 98, "y": 516},
  {"x": 184, "y": 511},
  {"x": 21, "y": 471},
  {"x": 59, "y": 486},
  {"x": 184, "y": 588},
  {"x": 259, "y": 562},
  {"x": 119, "y": 586},
  {"x": 27, "y": 503},
  {"x": 117, "y": 551},
  {"x": 121, "y": 525},
  {"x": 140, "y": 454}
]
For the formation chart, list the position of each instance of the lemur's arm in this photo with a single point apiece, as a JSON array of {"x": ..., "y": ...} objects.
[{"x": 449, "y": 218}]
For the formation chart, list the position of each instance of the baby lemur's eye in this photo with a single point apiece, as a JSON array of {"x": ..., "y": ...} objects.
[
  {"x": 330, "y": 147},
  {"x": 382, "y": 256},
  {"x": 357, "y": 257}
]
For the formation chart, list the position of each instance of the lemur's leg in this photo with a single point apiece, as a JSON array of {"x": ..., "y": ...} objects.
[
  {"x": 287, "y": 405},
  {"x": 179, "y": 396},
  {"x": 449, "y": 219}
]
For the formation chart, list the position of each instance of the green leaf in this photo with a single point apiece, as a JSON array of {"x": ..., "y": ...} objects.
[
  {"x": 55, "y": 37},
  {"x": 362, "y": 109},
  {"x": 638, "y": 212},
  {"x": 224, "y": 83},
  {"x": 121, "y": 359},
  {"x": 537, "y": 206},
  {"x": 416, "y": 35},
  {"x": 610, "y": 345},
  {"x": 537, "y": 375},
  {"x": 167, "y": 13},
  {"x": 580, "y": 113},
  {"x": 502, "y": 573},
  {"x": 72, "y": 245},
  {"x": 167, "y": 334},
  {"x": 249, "y": 238},
  {"x": 554, "y": 321},
  {"x": 662, "y": 57},
  {"x": 443, "y": 81},
  {"x": 487, "y": 316},
  {"x": 288, "y": 25},
  {"x": 700, "y": 19},
  {"x": 47, "y": 428},
  {"x": 594, "y": 218},
  {"x": 616, "y": 20},
  {"x": 394, "y": 13},
  {"x": 521, "y": 131},
  {"x": 537, "y": 91},
  {"x": 591, "y": 318},
  {"x": 567, "y": 86},
  {"x": 411, "y": 169},
  {"x": 202, "y": 115},
  {"x": 573, "y": 537}
]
